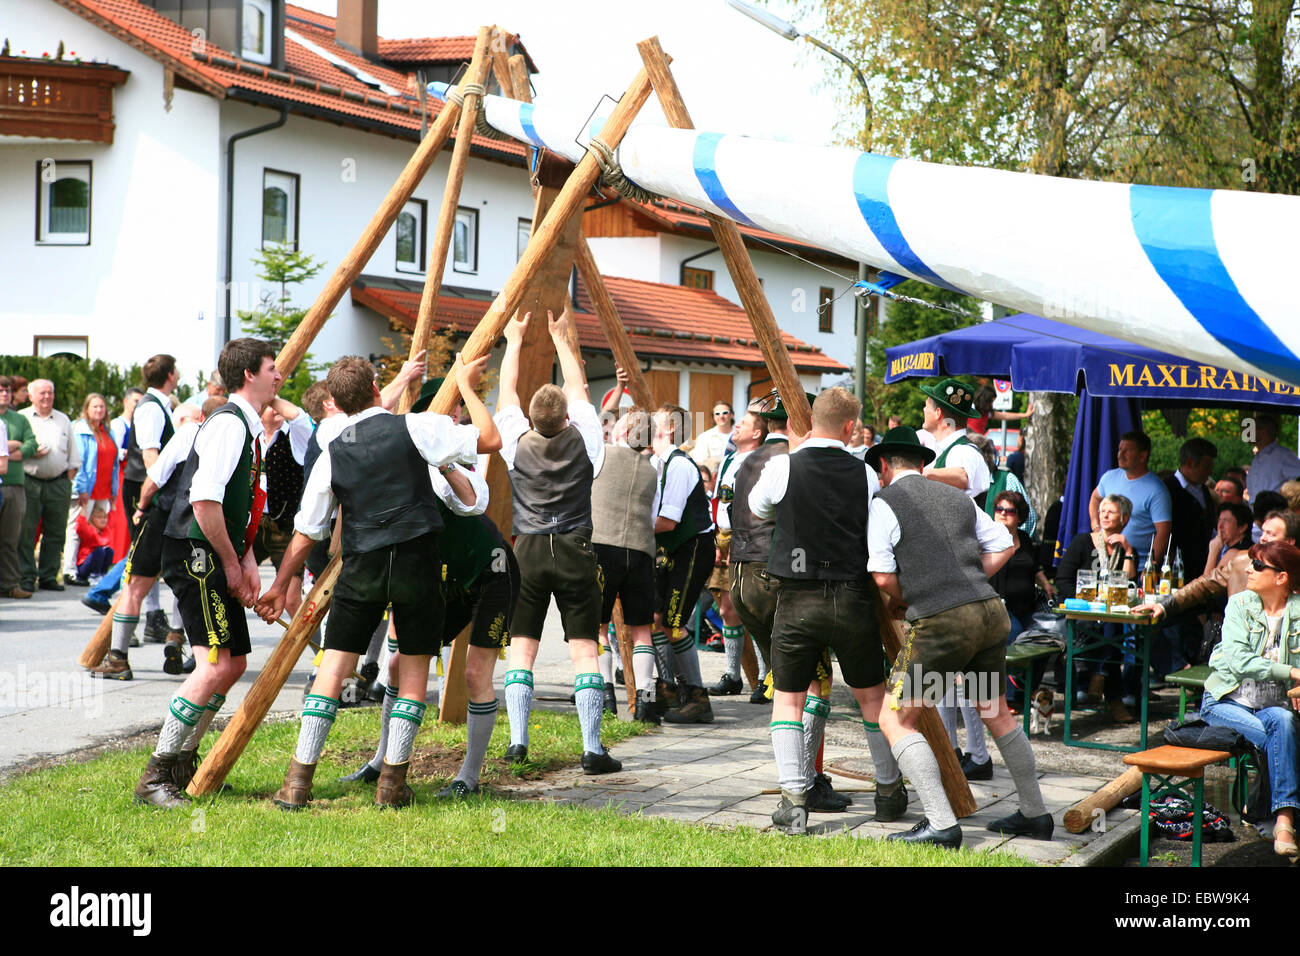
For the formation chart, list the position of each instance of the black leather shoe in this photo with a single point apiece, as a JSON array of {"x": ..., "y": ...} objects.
[
  {"x": 645, "y": 709},
  {"x": 759, "y": 696},
  {"x": 593, "y": 764},
  {"x": 727, "y": 687},
  {"x": 456, "y": 790},
  {"x": 367, "y": 774},
  {"x": 75, "y": 581},
  {"x": 611, "y": 701},
  {"x": 189, "y": 665},
  {"x": 1039, "y": 828},
  {"x": 822, "y": 797},
  {"x": 790, "y": 817},
  {"x": 618, "y": 676},
  {"x": 891, "y": 806},
  {"x": 516, "y": 753},
  {"x": 977, "y": 771},
  {"x": 52, "y": 586},
  {"x": 924, "y": 833},
  {"x": 99, "y": 607}
]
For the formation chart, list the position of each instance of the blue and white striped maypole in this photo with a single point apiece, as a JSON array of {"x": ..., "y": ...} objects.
[{"x": 1201, "y": 272}]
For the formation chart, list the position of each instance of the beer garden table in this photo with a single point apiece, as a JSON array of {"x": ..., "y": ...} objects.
[{"x": 1091, "y": 637}]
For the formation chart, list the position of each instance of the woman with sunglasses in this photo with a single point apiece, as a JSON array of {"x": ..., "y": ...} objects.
[{"x": 1252, "y": 669}]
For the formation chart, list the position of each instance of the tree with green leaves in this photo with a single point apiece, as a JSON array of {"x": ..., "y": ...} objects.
[{"x": 277, "y": 318}]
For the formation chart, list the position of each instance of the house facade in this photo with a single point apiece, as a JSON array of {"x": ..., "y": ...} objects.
[{"x": 150, "y": 148}]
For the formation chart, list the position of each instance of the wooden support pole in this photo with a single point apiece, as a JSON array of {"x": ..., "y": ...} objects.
[
  {"x": 768, "y": 334},
  {"x": 501, "y": 64},
  {"x": 619, "y": 342},
  {"x": 1080, "y": 816},
  {"x": 345, "y": 273},
  {"x": 623, "y": 637},
  {"x": 518, "y": 67},
  {"x": 477, "y": 74}
]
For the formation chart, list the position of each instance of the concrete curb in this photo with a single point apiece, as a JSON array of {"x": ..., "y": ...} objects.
[{"x": 1111, "y": 848}]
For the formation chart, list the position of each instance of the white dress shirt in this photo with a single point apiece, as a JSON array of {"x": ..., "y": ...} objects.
[
  {"x": 726, "y": 479},
  {"x": 173, "y": 454},
  {"x": 883, "y": 531},
  {"x": 672, "y": 490},
  {"x": 711, "y": 445},
  {"x": 439, "y": 441},
  {"x": 147, "y": 420},
  {"x": 442, "y": 488},
  {"x": 117, "y": 428},
  {"x": 771, "y": 485},
  {"x": 220, "y": 443},
  {"x": 513, "y": 424},
  {"x": 299, "y": 430},
  {"x": 967, "y": 458}
]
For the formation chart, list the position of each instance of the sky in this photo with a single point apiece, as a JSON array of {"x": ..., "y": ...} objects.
[{"x": 735, "y": 75}]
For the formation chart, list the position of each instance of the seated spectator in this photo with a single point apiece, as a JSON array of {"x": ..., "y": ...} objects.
[
  {"x": 1251, "y": 671},
  {"x": 1290, "y": 490},
  {"x": 1233, "y": 535},
  {"x": 1240, "y": 474},
  {"x": 1113, "y": 551},
  {"x": 1015, "y": 581},
  {"x": 94, "y": 550},
  {"x": 1261, "y": 506},
  {"x": 1230, "y": 488}
]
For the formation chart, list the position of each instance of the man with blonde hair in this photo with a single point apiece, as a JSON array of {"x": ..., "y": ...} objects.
[{"x": 553, "y": 455}]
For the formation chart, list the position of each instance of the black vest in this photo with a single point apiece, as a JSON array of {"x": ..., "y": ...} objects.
[
  {"x": 551, "y": 483},
  {"x": 751, "y": 539},
  {"x": 821, "y": 523},
  {"x": 240, "y": 491},
  {"x": 311, "y": 454},
  {"x": 382, "y": 484},
  {"x": 284, "y": 480},
  {"x": 695, "y": 518},
  {"x": 165, "y": 496},
  {"x": 135, "y": 469}
]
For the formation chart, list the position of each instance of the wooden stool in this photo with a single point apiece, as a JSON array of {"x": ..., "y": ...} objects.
[
  {"x": 1021, "y": 657},
  {"x": 1191, "y": 678},
  {"x": 1166, "y": 764}
]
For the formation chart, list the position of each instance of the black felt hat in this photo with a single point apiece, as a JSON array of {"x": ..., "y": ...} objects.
[{"x": 898, "y": 439}]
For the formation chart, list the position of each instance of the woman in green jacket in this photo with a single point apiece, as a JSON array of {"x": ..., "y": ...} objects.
[{"x": 1252, "y": 669}]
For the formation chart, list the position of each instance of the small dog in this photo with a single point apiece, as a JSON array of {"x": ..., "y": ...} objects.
[{"x": 1040, "y": 718}]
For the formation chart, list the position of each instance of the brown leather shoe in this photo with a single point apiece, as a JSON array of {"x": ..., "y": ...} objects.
[
  {"x": 1119, "y": 713},
  {"x": 156, "y": 787},
  {"x": 692, "y": 707},
  {"x": 296, "y": 792},
  {"x": 665, "y": 696},
  {"x": 392, "y": 790},
  {"x": 16, "y": 592},
  {"x": 187, "y": 764},
  {"x": 115, "y": 666}
]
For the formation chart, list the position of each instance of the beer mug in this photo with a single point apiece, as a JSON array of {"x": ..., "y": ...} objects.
[{"x": 1085, "y": 585}]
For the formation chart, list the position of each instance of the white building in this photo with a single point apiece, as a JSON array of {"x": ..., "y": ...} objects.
[{"x": 142, "y": 171}]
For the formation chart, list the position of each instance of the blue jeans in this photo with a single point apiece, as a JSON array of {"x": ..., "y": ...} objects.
[
  {"x": 108, "y": 585},
  {"x": 1272, "y": 730}
]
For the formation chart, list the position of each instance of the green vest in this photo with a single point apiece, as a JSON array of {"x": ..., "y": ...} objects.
[
  {"x": 694, "y": 515},
  {"x": 942, "y": 460},
  {"x": 985, "y": 496},
  {"x": 467, "y": 546}
]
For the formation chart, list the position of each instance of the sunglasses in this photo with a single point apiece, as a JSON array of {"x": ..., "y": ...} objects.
[
  {"x": 1005, "y": 511},
  {"x": 1260, "y": 566}
]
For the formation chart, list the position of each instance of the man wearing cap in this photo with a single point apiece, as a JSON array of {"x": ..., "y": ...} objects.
[
  {"x": 958, "y": 463},
  {"x": 932, "y": 551}
]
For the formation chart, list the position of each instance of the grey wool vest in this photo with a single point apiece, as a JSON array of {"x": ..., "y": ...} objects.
[
  {"x": 938, "y": 554},
  {"x": 551, "y": 483},
  {"x": 621, "y": 498}
]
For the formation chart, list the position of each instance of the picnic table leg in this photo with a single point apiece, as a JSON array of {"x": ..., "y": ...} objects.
[
  {"x": 1198, "y": 803},
  {"x": 1146, "y": 818},
  {"x": 1182, "y": 703},
  {"x": 1069, "y": 679},
  {"x": 1144, "y": 637}
]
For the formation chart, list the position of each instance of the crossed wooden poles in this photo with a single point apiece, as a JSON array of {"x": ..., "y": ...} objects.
[{"x": 538, "y": 282}]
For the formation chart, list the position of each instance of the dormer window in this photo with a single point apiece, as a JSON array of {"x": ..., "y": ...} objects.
[{"x": 256, "y": 42}]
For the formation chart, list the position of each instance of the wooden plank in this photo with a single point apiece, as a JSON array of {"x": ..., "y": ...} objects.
[
  {"x": 787, "y": 382},
  {"x": 664, "y": 386},
  {"x": 568, "y": 204},
  {"x": 478, "y": 70},
  {"x": 612, "y": 323},
  {"x": 345, "y": 273}
]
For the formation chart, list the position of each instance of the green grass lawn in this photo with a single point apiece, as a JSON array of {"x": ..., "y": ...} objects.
[{"x": 81, "y": 814}]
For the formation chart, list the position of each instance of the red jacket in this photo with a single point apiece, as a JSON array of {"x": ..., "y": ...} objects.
[{"x": 89, "y": 538}]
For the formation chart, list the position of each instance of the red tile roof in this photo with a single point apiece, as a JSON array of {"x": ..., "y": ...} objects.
[
  {"x": 672, "y": 216},
  {"x": 664, "y": 322},
  {"x": 310, "y": 84}
]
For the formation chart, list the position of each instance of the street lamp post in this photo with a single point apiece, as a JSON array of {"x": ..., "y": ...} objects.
[{"x": 789, "y": 31}]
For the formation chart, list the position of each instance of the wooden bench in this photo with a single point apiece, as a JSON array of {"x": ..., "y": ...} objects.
[
  {"x": 1174, "y": 769},
  {"x": 1021, "y": 657},
  {"x": 1191, "y": 678}
]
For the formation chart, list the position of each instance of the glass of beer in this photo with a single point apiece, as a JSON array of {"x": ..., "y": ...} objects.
[
  {"x": 1116, "y": 588},
  {"x": 1085, "y": 585}
]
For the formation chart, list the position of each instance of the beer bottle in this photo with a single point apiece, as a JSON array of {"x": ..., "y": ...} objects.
[
  {"x": 1178, "y": 569},
  {"x": 1149, "y": 574},
  {"x": 1166, "y": 576}
]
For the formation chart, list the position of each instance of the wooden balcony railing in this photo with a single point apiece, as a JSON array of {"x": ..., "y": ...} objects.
[{"x": 56, "y": 99}]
